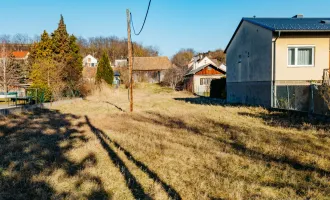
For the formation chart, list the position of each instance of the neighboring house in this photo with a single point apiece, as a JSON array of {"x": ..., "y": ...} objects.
[
  {"x": 17, "y": 55},
  {"x": 21, "y": 55},
  {"x": 198, "y": 80},
  {"x": 21, "y": 58},
  {"x": 150, "y": 69},
  {"x": 199, "y": 61},
  {"x": 266, "y": 53},
  {"x": 89, "y": 61}
]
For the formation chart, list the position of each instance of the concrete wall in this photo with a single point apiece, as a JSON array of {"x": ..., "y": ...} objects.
[
  {"x": 285, "y": 73},
  {"x": 249, "y": 66}
]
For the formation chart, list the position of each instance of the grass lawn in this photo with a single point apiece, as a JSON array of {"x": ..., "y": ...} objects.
[{"x": 174, "y": 146}]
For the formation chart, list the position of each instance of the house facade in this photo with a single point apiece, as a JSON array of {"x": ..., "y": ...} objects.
[
  {"x": 199, "y": 61},
  {"x": 150, "y": 69},
  {"x": 89, "y": 61},
  {"x": 198, "y": 80},
  {"x": 267, "y": 53}
]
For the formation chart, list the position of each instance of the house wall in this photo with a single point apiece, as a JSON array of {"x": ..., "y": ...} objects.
[
  {"x": 249, "y": 66},
  {"x": 285, "y": 74},
  {"x": 88, "y": 60},
  {"x": 202, "y": 89},
  {"x": 151, "y": 76}
]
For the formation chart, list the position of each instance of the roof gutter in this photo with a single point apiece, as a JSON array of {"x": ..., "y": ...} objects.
[
  {"x": 273, "y": 95},
  {"x": 307, "y": 31}
]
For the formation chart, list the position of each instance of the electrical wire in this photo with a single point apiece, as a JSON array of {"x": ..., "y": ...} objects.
[{"x": 144, "y": 22}]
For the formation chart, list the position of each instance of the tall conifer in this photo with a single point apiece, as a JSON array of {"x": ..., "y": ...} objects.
[{"x": 104, "y": 70}]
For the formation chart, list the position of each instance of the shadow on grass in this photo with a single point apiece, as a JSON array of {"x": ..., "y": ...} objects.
[
  {"x": 290, "y": 119},
  {"x": 131, "y": 181},
  {"x": 31, "y": 145},
  {"x": 202, "y": 100},
  {"x": 235, "y": 138},
  {"x": 241, "y": 149}
]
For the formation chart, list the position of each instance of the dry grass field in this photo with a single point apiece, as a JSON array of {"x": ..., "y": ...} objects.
[{"x": 174, "y": 146}]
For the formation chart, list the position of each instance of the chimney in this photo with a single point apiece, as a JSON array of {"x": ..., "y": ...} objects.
[{"x": 299, "y": 16}]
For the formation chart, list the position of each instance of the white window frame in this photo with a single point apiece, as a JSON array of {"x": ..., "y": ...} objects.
[{"x": 296, "y": 47}]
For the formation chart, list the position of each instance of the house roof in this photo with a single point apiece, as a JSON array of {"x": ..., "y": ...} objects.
[
  {"x": 216, "y": 62},
  {"x": 151, "y": 63},
  {"x": 194, "y": 71},
  {"x": 223, "y": 68},
  {"x": 292, "y": 24},
  {"x": 295, "y": 24},
  {"x": 20, "y": 54},
  {"x": 16, "y": 54}
]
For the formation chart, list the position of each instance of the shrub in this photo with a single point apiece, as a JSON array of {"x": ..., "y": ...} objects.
[
  {"x": 218, "y": 88},
  {"x": 86, "y": 88},
  {"x": 325, "y": 94}
]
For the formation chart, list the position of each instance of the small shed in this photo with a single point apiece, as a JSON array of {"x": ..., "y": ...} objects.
[{"x": 198, "y": 80}]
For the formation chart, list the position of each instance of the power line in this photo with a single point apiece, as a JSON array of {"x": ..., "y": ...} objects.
[{"x": 145, "y": 19}]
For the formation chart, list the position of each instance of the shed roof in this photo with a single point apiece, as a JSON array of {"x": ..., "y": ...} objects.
[{"x": 151, "y": 63}]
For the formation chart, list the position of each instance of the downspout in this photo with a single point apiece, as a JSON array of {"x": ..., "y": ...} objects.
[{"x": 274, "y": 71}]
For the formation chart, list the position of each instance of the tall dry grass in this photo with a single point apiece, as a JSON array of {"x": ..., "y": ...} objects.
[{"x": 174, "y": 146}]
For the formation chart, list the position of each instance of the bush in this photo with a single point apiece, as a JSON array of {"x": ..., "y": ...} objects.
[
  {"x": 218, "y": 88},
  {"x": 86, "y": 88},
  {"x": 325, "y": 94},
  {"x": 40, "y": 93}
]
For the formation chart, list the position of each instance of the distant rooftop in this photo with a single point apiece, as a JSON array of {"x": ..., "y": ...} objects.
[{"x": 292, "y": 24}]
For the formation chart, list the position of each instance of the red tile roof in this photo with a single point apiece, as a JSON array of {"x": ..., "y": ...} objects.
[
  {"x": 20, "y": 54},
  {"x": 16, "y": 54}
]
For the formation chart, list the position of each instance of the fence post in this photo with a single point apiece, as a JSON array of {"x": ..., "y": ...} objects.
[
  {"x": 288, "y": 102},
  {"x": 311, "y": 103}
]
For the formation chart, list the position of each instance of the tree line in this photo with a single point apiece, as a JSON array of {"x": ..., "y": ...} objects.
[{"x": 114, "y": 47}]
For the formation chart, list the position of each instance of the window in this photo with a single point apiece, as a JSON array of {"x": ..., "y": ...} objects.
[
  {"x": 301, "y": 56},
  {"x": 93, "y": 65},
  {"x": 205, "y": 81}
]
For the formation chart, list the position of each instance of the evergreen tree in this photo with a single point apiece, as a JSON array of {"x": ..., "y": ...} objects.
[
  {"x": 104, "y": 70},
  {"x": 72, "y": 72},
  {"x": 42, "y": 49},
  {"x": 61, "y": 42},
  {"x": 66, "y": 52}
]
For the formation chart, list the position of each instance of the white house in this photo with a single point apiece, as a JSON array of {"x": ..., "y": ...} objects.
[
  {"x": 89, "y": 61},
  {"x": 199, "y": 61}
]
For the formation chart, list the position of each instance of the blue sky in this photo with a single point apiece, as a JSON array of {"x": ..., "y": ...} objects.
[{"x": 171, "y": 25}]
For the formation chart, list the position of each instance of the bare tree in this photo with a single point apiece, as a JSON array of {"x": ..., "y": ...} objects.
[
  {"x": 183, "y": 57},
  {"x": 9, "y": 71},
  {"x": 174, "y": 76},
  {"x": 20, "y": 41}
]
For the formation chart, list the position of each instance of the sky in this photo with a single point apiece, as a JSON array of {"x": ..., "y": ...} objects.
[{"x": 171, "y": 25}]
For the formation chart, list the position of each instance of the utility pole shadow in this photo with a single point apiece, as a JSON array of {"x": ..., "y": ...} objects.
[
  {"x": 131, "y": 182},
  {"x": 171, "y": 192}
]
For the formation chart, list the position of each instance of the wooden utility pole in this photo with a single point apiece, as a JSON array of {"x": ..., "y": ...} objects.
[{"x": 130, "y": 59}]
